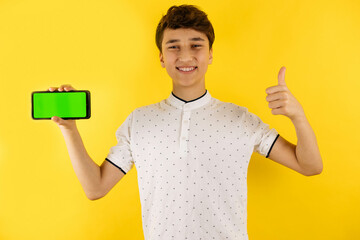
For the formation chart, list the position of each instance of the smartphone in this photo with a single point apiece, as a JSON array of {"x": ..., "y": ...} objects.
[{"x": 67, "y": 105}]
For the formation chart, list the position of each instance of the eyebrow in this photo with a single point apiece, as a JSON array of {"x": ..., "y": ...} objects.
[{"x": 191, "y": 39}]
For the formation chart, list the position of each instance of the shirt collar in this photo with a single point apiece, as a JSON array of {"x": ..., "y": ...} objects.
[{"x": 178, "y": 103}]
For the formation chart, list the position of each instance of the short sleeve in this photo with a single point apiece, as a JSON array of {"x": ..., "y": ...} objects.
[
  {"x": 264, "y": 137},
  {"x": 120, "y": 155}
]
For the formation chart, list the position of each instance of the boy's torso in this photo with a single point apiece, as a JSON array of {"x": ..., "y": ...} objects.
[{"x": 192, "y": 162}]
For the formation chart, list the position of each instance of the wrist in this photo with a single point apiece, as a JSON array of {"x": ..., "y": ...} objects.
[{"x": 299, "y": 119}]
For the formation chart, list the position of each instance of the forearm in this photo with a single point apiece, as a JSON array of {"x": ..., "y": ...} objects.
[
  {"x": 307, "y": 150},
  {"x": 87, "y": 171}
]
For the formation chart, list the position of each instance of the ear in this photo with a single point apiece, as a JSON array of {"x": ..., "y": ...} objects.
[
  {"x": 211, "y": 56},
  {"x": 161, "y": 56}
]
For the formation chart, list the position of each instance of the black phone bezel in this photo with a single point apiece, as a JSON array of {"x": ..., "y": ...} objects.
[{"x": 88, "y": 104}]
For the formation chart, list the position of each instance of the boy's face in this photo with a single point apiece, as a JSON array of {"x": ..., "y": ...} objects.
[{"x": 186, "y": 56}]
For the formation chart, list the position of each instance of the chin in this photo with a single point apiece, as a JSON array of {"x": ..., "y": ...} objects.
[{"x": 184, "y": 83}]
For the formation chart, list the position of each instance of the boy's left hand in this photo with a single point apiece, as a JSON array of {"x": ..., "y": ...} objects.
[{"x": 281, "y": 100}]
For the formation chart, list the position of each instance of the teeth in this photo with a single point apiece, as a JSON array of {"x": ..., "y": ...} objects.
[{"x": 187, "y": 69}]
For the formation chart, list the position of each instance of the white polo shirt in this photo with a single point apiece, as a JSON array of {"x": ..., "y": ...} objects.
[{"x": 191, "y": 161}]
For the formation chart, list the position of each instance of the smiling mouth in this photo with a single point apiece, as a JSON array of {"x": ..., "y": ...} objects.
[{"x": 186, "y": 69}]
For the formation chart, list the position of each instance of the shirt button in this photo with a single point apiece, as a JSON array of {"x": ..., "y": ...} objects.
[
  {"x": 183, "y": 138},
  {"x": 186, "y": 121}
]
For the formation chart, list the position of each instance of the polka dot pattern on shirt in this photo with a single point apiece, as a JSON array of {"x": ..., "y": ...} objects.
[{"x": 192, "y": 160}]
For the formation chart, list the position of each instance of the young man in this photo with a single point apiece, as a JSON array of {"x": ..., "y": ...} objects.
[{"x": 192, "y": 151}]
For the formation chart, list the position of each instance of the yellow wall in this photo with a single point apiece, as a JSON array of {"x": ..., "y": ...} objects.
[{"x": 108, "y": 48}]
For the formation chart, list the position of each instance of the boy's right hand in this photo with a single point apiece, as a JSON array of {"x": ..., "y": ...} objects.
[{"x": 63, "y": 124}]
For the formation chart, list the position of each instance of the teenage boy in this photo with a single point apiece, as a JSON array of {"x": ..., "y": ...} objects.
[{"x": 192, "y": 151}]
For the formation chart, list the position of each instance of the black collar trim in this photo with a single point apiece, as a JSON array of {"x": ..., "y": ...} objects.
[{"x": 190, "y": 100}]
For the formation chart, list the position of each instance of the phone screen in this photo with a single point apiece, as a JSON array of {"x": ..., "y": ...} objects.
[{"x": 67, "y": 105}]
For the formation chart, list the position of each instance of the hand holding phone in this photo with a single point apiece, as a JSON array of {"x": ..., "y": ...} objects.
[{"x": 62, "y": 105}]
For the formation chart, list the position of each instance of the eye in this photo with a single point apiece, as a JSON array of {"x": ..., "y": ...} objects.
[
  {"x": 172, "y": 47},
  {"x": 196, "y": 46}
]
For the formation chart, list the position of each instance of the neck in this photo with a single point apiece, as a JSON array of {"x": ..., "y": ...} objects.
[{"x": 189, "y": 94}]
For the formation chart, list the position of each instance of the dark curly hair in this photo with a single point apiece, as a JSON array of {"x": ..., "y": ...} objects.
[{"x": 185, "y": 16}]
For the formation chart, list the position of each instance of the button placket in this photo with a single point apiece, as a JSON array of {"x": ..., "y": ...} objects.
[{"x": 184, "y": 135}]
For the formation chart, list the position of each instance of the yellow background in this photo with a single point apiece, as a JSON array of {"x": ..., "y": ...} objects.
[{"x": 108, "y": 48}]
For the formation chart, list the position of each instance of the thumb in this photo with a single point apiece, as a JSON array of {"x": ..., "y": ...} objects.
[
  {"x": 57, "y": 120},
  {"x": 281, "y": 76},
  {"x": 64, "y": 124}
]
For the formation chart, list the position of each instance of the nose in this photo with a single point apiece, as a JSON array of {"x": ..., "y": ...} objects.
[{"x": 185, "y": 56}]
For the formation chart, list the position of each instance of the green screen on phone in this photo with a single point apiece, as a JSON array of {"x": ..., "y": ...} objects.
[{"x": 67, "y": 105}]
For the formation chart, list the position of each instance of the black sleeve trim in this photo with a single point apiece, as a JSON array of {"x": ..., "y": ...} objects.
[
  {"x": 115, "y": 165},
  {"x": 272, "y": 145}
]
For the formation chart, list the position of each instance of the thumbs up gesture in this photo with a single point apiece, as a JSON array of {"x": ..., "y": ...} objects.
[{"x": 281, "y": 101}]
